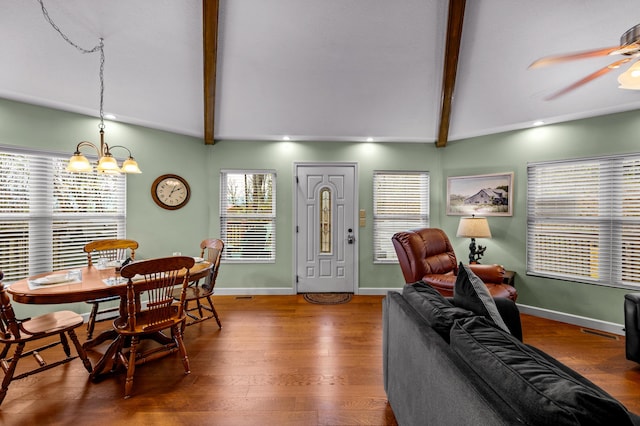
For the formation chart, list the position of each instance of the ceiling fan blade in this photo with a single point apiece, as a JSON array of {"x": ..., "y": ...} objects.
[
  {"x": 556, "y": 59},
  {"x": 602, "y": 71}
]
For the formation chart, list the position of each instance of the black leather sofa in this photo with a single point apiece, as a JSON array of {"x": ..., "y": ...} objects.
[
  {"x": 477, "y": 374},
  {"x": 632, "y": 326}
]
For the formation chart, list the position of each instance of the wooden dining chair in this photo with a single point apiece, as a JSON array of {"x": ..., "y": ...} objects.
[
  {"x": 201, "y": 289},
  {"x": 157, "y": 278},
  {"x": 111, "y": 249},
  {"x": 19, "y": 333}
]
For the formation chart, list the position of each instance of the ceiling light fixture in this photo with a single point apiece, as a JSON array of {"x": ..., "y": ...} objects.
[
  {"x": 78, "y": 163},
  {"x": 629, "y": 48},
  {"x": 630, "y": 79}
]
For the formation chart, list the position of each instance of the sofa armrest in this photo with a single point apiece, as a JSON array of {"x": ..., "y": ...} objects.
[
  {"x": 632, "y": 326},
  {"x": 488, "y": 273},
  {"x": 510, "y": 314}
]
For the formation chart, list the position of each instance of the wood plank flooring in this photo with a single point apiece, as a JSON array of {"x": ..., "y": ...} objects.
[{"x": 278, "y": 361}]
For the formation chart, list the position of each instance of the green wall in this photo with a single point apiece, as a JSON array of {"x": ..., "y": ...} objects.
[
  {"x": 511, "y": 151},
  {"x": 161, "y": 232},
  {"x": 281, "y": 156}
]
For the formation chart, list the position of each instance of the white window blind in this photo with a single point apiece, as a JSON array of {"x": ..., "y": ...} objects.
[
  {"x": 583, "y": 220},
  {"x": 400, "y": 202},
  {"x": 248, "y": 215},
  {"x": 48, "y": 214}
]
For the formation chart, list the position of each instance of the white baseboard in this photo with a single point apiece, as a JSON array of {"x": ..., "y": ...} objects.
[
  {"x": 374, "y": 291},
  {"x": 609, "y": 327},
  {"x": 278, "y": 291}
]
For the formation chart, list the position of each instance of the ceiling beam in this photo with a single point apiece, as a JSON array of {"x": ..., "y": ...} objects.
[
  {"x": 210, "y": 55},
  {"x": 450, "y": 68}
]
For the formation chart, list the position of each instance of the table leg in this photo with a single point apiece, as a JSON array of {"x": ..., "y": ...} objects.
[
  {"x": 100, "y": 338},
  {"x": 118, "y": 340},
  {"x": 98, "y": 369},
  {"x": 110, "y": 334}
]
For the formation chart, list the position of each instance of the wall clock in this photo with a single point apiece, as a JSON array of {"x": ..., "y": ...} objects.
[{"x": 170, "y": 192}]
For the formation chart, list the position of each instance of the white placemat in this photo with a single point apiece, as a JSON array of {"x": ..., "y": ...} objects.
[{"x": 38, "y": 284}]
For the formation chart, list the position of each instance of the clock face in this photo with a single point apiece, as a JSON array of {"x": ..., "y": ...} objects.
[{"x": 170, "y": 192}]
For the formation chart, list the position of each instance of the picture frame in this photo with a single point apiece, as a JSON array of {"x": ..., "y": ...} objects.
[{"x": 482, "y": 195}]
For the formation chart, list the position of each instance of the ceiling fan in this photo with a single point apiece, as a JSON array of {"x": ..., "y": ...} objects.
[{"x": 629, "y": 48}]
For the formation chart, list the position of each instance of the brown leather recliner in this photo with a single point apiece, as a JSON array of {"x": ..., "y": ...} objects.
[{"x": 426, "y": 254}]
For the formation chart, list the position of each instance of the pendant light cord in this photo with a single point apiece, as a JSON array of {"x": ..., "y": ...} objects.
[{"x": 98, "y": 47}]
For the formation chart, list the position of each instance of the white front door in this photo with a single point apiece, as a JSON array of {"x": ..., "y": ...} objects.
[{"x": 326, "y": 233}]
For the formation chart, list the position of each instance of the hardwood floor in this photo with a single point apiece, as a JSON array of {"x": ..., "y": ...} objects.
[{"x": 278, "y": 361}]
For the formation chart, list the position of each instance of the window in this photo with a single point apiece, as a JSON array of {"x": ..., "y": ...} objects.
[
  {"x": 583, "y": 220},
  {"x": 325, "y": 221},
  {"x": 48, "y": 214},
  {"x": 248, "y": 215},
  {"x": 400, "y": 202}
]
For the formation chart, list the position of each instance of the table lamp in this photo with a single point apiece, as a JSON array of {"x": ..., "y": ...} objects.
[{"x": 474, "y": 227}]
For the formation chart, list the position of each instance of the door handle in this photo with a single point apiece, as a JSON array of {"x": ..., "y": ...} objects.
[{"x": 350, "y": 237}]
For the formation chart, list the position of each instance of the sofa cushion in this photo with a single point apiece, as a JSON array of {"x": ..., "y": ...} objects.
[
  {"x": 540, "y": 391},
  {"x": 437, "y": 311},
  {"x": 469, "y": 292}
]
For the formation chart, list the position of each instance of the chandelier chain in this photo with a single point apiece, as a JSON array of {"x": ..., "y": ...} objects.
[{"x": 99, "y": 47}]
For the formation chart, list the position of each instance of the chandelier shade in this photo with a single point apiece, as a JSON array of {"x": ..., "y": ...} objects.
[
  {"x": 130, "y": 166},
  {"x": 78, "y": 163}
]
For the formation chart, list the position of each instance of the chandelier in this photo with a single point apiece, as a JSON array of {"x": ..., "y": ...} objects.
[{"x": 106, "y": 162}]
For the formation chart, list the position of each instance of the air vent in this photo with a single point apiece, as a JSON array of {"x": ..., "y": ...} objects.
[{"x": 600, "y": 333}]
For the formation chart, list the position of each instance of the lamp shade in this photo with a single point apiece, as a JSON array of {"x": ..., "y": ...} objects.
[{"x": 473, "y": 227}]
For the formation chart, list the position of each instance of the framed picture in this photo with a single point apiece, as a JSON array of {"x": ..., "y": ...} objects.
[{"x": 483, "y": 195}]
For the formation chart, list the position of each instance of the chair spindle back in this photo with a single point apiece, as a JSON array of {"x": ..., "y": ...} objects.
[
  {"x": 158, "y": 278},
  {"x": 211, "y": 250},
  {"x": 111, "y": 249}
]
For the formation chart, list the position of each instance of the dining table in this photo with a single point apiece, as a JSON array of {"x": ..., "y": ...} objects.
[{"x": 87, "y": 283}]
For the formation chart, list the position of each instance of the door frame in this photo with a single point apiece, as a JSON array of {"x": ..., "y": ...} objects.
[{"x": 356, "y": 228}]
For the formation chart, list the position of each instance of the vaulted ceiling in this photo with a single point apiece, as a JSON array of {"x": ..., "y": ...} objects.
[{"x": 323, "y": 70}]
